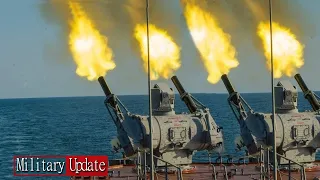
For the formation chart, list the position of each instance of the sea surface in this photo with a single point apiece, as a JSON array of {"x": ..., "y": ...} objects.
[{"x": 82, "y": 126}]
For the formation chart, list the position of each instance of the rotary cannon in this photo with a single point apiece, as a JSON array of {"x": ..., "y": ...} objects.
[
  {"x": 175, "y": 136},
  {"x": 295, "y": 133}
]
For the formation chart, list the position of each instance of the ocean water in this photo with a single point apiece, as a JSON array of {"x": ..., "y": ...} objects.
[{"x": 81, "y": 125}]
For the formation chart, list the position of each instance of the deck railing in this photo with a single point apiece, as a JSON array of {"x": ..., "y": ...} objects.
[
  {"x": 265, "y": 172},
  {"x": 143, "y": 174},
  {"x": 264, "y": 163},
  {"x": 263, "y": 160}
]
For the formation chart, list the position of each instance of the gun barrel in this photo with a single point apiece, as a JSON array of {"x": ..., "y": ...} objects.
[
  {"x": 178, "y": 85},
  {"x": 104, "y": 86},
  {"x": 227, "y": 84},
  {"x": 307, "y": 93},
  {"x": 301, "y": 83},
  {"x": 186, "y": 98}
]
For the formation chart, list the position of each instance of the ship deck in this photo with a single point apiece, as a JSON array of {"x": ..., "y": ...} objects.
[
  {"x": 205, "y": 171},
  {"x": 126, "y": 169}
]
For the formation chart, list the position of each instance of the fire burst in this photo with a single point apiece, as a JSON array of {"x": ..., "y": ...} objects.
[
  {"x": 164, "y": 53},
  {"x": 218, "y": 55},
  {"x": 287, "y": 50},
  {"x": 88, "y": 47}
]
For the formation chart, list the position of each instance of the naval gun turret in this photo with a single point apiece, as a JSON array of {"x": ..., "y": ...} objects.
[
  {"x": 176, "y": 136},
  {"x": 313, "y": 99},
  {"x": 295, "y": 133}
]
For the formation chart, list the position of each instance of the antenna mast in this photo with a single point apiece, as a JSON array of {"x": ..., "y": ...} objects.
[
  {"x": 149, "y": 94},
  {"x": 275, "y": 176}
]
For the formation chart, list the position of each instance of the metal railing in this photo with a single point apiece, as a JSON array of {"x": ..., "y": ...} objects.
[
  {"x": 143, "y": 174},
  {"x": 263, "y": 159},
  {"x": 179, "y": 174},
  {"x": 230, "y": 160},
  {"x": 302, "y": 168},
  {"x": 265, "y": 172},
  {"x": 215, "y": 173}
]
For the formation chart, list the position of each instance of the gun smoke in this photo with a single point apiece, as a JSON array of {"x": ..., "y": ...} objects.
[
  {"x": 245, "y": 15},
  {"x": 114, "y": 18}
]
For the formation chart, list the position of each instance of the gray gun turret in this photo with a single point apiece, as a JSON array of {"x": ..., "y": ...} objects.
[
  {"x": 314, "y": 102},
  {"x": 176, "y": 136},
  {"x": 296, "y": 132}
]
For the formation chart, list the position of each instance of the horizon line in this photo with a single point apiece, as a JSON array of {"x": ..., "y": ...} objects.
[{"x": 48, "y": 97}]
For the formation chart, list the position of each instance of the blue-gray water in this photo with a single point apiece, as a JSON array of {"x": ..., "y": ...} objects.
[{"x": 81, "y": 125}]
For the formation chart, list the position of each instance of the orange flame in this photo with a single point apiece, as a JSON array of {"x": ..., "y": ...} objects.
[
  {"x": 287, "y": 50},
  {"x": 218, "y": 55},
  {"x": 164, "y": 53},
  {"x": 88, "y": 47}
]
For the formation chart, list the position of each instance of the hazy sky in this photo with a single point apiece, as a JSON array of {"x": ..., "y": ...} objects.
[{"x": 32, "y": 65}]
